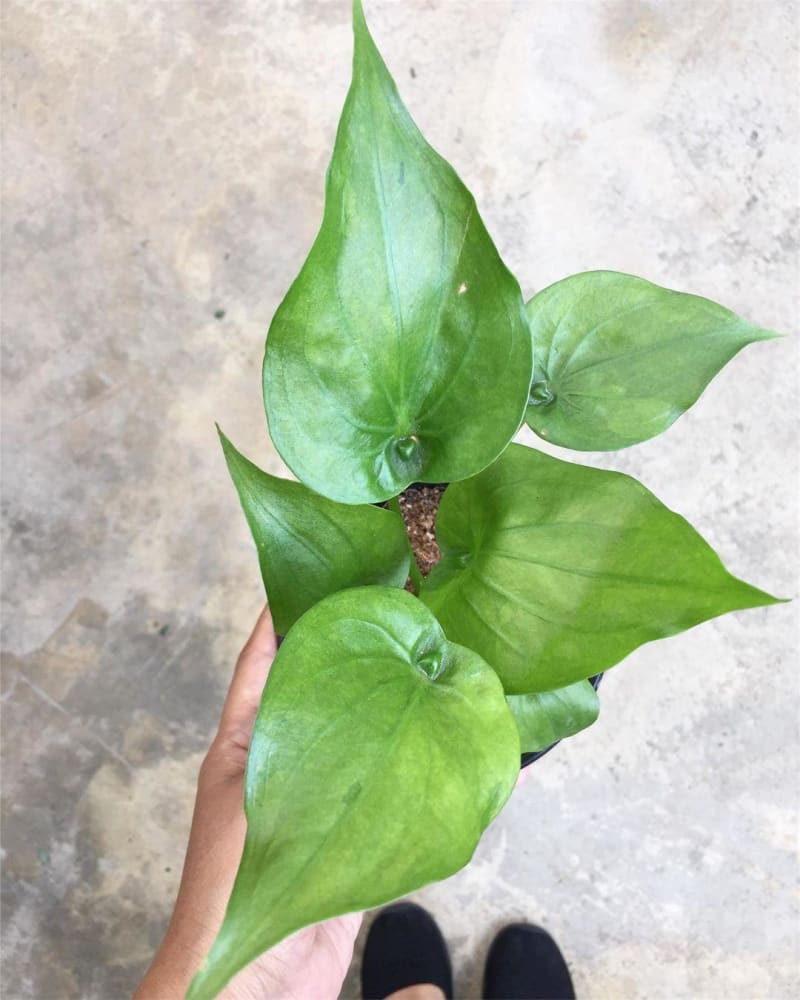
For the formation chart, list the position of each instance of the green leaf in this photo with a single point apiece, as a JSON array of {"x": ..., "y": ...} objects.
[
  {"x": 554, "y": 572},
  {"x": 309, "y": 546},
  {"x": 380, "y": 753},
  {"x": 402, "y": 352},
  {"x": 619, "y": 359},
  {"x": 545, "y": 717}
]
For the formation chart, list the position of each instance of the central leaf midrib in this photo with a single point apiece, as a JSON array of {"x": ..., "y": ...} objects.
[
  {"x": 394, "y": 292},
  {"x": 566, "y": 373},
  {"x": 373, "y": 775}
]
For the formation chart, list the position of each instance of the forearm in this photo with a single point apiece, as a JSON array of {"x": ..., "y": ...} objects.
[{"x": 215, "y": 842}]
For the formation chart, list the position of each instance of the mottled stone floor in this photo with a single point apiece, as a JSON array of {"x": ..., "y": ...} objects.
[{"x": 163, "y": 165}]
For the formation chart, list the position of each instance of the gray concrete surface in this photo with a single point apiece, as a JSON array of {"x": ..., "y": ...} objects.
[{"x": 164, "y": 160}]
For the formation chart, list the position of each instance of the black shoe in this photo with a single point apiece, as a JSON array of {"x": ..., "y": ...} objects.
[
  {"x": 404, "y": 948},
  {"x": 524, "y": 963}
]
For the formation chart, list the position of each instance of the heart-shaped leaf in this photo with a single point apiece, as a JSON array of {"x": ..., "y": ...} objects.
[
  {"x": 380, "y": 753},
  {"x": 402, "y": 352},
  {"x": 618, "y": 359},
  {"x": 309, "y": 546},
  {"x": 545, "y": 717},
  {"x": 554, "y": 572}
]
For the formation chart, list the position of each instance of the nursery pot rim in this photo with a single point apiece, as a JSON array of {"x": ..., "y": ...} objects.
[{"x": 531, "y": 758}]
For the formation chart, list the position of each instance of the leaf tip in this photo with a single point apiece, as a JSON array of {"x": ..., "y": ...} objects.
[
  {"x": 228, "y": 448},
  {"x": 771, "y": 599},
  {"x": 365, "y": 51},
  {"x": 359, "y": 21},
  {"x": 762, "y": 598},
  {"x": 764, "y": 334}
]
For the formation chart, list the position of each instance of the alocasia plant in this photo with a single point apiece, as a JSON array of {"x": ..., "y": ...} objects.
[{"x": 403, "y": 354}]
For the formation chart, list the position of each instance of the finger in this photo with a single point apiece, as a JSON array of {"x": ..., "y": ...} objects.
[
  {"x": 250, "y": 676},
  {"x": 524, "y": 774},
  {"x": 262, "y": 641}
]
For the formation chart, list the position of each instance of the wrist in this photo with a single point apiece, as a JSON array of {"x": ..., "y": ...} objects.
[
  {"x": 171, "y": 970},
  {"x": 161, "y": 983}
]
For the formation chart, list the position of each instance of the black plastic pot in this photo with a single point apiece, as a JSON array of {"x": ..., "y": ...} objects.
[{"x": 529, "y": 758}]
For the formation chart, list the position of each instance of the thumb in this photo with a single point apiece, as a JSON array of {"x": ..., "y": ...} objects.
[{"x": 247, "y": 684}]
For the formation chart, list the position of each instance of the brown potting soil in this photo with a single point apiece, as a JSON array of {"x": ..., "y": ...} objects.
[{"x": 418, "y": 505}]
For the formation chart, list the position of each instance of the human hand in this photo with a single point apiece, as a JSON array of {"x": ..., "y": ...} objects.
[{"x": 309, "y": 965}]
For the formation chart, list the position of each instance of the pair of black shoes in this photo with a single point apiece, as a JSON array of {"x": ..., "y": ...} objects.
[{"x": 405, "y": 948}]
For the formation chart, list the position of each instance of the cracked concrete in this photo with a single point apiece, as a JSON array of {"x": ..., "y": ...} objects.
[{"x": 163, "y": 170}]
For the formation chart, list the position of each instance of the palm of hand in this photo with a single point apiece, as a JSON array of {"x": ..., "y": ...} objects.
[{"x": 309, "y": 965}]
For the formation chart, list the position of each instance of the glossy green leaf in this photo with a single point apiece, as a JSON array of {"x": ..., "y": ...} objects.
[
  {"x": 545, "y": 717},
  {"x": 309, "y": 546},
  {"x": 554, "y": 572},
  {"x": 618, "y": 359},
  {"x": 401, "y": 352},
  {"x": 380, "y": 753}
]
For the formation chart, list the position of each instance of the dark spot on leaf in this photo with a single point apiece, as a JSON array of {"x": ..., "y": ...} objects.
[
  {"x": 352, "y": 793},
  {"x": 219, "y": 314},
  {"x": 413, "y": 72},
  {"x": 163, "y": 630}
]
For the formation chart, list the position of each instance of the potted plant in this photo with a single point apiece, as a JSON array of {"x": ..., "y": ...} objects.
[{"x": 448, "y": 598}]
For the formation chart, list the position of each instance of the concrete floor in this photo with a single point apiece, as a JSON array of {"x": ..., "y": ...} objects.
[{"x": 164, "y": 160}]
